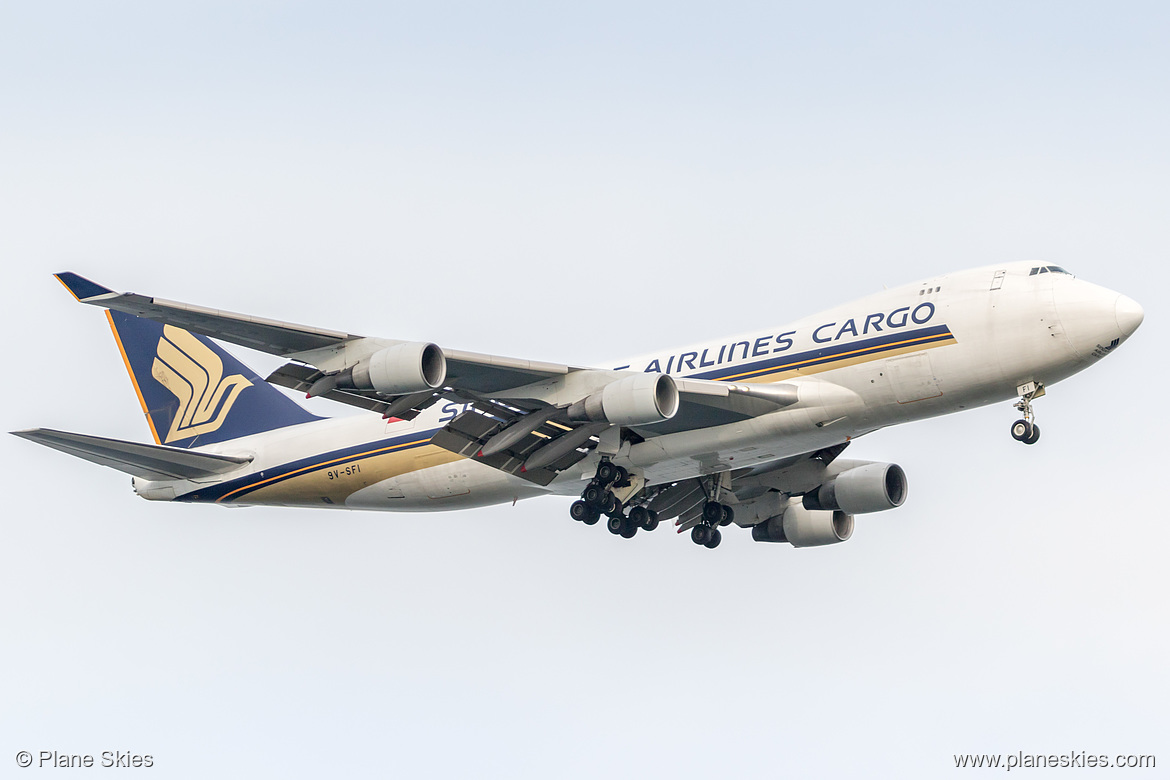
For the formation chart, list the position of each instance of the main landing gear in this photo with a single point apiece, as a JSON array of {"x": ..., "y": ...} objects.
[
  {"x": 712, "y": 514},
  {"x": 707, "y": 533},
  {"x": 1026, "y": 430},
  {"x": 598, "y": 499}
]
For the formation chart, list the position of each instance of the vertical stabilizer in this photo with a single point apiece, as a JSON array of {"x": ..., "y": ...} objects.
[{"x": 192, "y": 390}]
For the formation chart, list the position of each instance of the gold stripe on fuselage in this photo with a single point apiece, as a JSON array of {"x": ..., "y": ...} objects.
[{"x": 335, "y": 480}]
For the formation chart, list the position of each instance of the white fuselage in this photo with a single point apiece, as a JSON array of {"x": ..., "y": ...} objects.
[{"x": 949, "y": 343}]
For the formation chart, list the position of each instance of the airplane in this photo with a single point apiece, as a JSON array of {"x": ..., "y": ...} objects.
[{"x": 745, "y": 431}]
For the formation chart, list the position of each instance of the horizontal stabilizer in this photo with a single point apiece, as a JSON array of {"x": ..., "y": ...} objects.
[{"x": 148, "y": 461}]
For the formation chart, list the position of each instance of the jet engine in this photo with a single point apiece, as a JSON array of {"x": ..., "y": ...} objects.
[
  {"x": 411, "y": 367},
  {"x": 873, "y": 487},
  {"x": 802, "y": 527},
  {"x": 635, "y": 400}
]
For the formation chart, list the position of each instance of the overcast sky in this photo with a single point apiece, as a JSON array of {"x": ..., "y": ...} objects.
[{"x": 575, "y": 182}]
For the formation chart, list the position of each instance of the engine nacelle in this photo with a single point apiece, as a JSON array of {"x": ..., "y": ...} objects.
[
  {"x": 802, "y": 527},
  {"x": 636, "y": 400},
  {"x": 871, "y": 488},
  {"x": 412, "y": 367}
]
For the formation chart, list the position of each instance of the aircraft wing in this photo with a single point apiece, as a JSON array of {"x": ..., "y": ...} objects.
[
  {"x": 501, "y": 392},
  {"x": 476, "y": 372}
]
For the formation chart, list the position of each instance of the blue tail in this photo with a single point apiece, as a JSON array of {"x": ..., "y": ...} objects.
[{"x": 194, "y": 392}]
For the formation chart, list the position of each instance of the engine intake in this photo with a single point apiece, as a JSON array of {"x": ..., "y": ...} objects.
[
  {"x": 636, "y": 400},
  {"x": 412, "y": 367},
  {"x": 874, "y": 487},
  {"x": 802, "y": 527}
]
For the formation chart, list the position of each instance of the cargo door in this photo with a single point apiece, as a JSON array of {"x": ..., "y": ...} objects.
[{"x": 912, "y": 378}]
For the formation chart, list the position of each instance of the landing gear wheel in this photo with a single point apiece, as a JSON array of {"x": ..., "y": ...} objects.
[
  {"x": 580, "y": 510},
  {"x": 1026, "y": 430},
  {"x": 592, "y": 517},
  {"x": 610, "y": 505},
  {"x": 621, "y": 477},
  {"x": 593, "y": 494},
  {"x": 712, "y": 513},
  {"x": 628, "y": 529},
  {"x": 641, "y": 517},
  {"x": 606, "y": 473},
  {"x": 615, "y": 524},
  {"x": 713, "y": 539},
  {"x": 728, "y": 515},
  {"x": 700, "y": 534}
]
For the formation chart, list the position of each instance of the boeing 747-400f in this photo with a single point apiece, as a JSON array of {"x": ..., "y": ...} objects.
[{"x": 746, "y": 430}]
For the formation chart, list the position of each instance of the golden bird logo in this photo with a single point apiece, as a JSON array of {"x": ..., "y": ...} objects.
[{"x": 193, "y": 373}]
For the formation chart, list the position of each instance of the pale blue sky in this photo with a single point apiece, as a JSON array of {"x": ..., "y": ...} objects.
[{"x": 576, "y": 183}]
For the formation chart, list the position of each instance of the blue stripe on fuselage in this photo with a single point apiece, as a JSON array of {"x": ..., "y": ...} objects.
[{"x": 830, "y": 354}]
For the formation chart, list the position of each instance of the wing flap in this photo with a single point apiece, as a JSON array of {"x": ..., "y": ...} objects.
[
  {"x": 467, "y": 434},
  {"x": 302, "y": 378},
  {"x": 149, "y": 461}
]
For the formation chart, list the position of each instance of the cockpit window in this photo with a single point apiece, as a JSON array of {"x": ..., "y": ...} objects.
[{"x": 1045, "y": 269}]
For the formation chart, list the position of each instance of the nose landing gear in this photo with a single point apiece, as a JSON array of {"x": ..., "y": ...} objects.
[{"x": 1026, "y": 430}]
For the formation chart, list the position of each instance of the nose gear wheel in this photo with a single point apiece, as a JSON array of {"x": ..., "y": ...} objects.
[{"x": 1026, "y": 430}]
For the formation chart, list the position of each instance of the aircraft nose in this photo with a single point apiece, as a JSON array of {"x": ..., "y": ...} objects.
[
  {"x": 1095, "y": 319},
  {"x": 1129, "y": 315}
]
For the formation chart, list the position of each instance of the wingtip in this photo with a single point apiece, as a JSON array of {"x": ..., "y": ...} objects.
[{"x": 80, "y": 287}]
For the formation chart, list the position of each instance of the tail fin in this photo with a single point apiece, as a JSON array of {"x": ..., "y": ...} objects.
[{"x": 194, "y": 392}]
